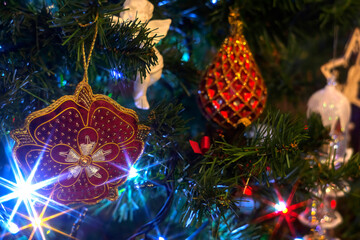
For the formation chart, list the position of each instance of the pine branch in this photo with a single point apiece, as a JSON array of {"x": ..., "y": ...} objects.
[
  {"x": 36, "y": 67},
  {"x": 272, "y": 152},
  {"x": 126, "y": 46}
]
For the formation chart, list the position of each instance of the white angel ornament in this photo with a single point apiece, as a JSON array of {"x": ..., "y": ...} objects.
[{"x": 143, "y": 11}]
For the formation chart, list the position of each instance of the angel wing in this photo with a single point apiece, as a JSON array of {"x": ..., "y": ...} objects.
[
  {"x": 159, "y": 28},
  {"x": 116, "y": 19},
  {"x": 331, "y": 104},
  {"x": 137, "y": 9}
]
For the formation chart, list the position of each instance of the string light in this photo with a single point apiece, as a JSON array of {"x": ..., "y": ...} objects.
[
  {"x": 133, "y": 173},
  {"x": 13, "y": 228},
  {"x": 283, "y": 209},
  {"x": 5, "y": 223},
  {"x": 116, "y": 74},
  {"x": 40, "y": 221},
  {"x": 185, "y": 57},
  {"x": 163, "y": 3},
  {"x": 24, "y": 191}
]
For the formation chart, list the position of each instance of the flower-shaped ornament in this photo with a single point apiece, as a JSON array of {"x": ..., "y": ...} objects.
[{"x": 88, "y": 142}]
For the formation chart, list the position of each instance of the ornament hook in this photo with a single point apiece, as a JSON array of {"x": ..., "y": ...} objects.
[
  {"x": 235, "y": 23},
  {"x": 86, "y": 60}
]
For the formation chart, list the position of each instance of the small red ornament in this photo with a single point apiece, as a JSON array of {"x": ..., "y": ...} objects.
[
  {"x": 203, "y": 147},
  {"x": 232, "y": 91},
  {"x": 87, "y": 142}
]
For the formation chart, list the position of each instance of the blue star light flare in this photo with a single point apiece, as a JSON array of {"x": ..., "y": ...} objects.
[{"x": 23, "y": 191}]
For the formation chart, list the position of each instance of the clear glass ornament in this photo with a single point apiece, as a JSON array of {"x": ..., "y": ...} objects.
[
  {"x": 312, "y": 215},
  {"x": 319, "y": 234},
  {"x": 335, "y": 110},
  {"x": 330, "y": 218},
  {"x": 320, "y": 213}
]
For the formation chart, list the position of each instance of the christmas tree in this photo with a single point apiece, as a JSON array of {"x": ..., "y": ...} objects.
[{"x": 179, "y": 119}]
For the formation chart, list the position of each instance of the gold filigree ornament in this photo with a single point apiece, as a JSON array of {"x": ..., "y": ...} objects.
[
  {"x": 86, "y": 141},
  {"x": 232, "y": 91}
]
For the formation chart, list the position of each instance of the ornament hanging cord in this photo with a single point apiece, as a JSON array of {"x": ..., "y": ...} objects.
[
  {"x": 86, "y": 60},
  {"x": 335, "y": 43}
]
